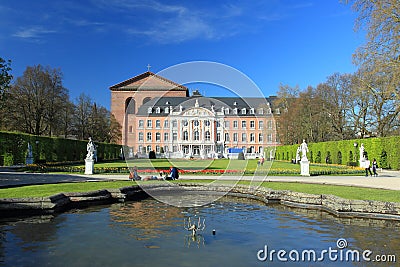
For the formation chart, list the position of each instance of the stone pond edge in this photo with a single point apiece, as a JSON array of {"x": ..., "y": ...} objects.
[{"x": 337, "y": 206}]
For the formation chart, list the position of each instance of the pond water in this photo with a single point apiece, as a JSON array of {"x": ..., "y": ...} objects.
[{"x": 150, "y": 233}]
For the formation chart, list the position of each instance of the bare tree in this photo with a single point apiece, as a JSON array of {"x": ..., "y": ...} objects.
[{"x": 35, "y": 100}]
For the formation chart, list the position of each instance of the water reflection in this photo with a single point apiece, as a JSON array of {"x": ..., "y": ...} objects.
[
  {"x": 152, "y": 219},
  {"x": 150, "y": 233}
]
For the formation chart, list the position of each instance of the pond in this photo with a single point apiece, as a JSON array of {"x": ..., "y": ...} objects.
[{"x": 151, "y": 233}]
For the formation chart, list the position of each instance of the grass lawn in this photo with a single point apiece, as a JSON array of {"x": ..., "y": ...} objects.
[{"x": 340, "y": 191}]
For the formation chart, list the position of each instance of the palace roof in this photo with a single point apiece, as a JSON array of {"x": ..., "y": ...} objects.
[{"x": 148, "y": 81}]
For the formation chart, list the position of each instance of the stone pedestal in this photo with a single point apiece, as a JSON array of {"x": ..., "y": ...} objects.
[
  {"x": 89, "y": 165},
  {"x": 305, "y": 167}
]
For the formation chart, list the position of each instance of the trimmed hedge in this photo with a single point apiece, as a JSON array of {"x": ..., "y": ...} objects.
[
  {"x": 14, "y": 148},
  {"x": 385, "y": 150}
]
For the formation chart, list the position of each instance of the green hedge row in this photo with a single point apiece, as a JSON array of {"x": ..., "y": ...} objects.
[
  {"x": 385, "y": 150},
  {"x": 14, "y": 148}
]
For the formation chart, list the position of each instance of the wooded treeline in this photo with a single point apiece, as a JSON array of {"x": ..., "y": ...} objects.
[
  {"x": 38, "y": 103},
  {"x": 358, "y": 105}
]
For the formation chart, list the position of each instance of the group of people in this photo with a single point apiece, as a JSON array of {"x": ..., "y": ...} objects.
[
  {"x": 173, "y": 175},
  {"x": 368, "y": 167}
]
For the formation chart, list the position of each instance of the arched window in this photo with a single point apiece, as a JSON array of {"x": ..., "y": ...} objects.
[
  {"x": 185, "y": 136},
  {"x": 130, "y": 105}
]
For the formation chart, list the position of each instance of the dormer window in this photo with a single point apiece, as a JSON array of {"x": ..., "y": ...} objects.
[
  {"x": 227, "y": 111},
  {"x": 158, "y": 110},
  {"x": 166, "y": 110},
  {"x": 149, "y": 110},
  {"x": 252, "y": 111},
  {"x": 235, "y": 103},
  {"x": 260, "y": 111},
  {"x": 167, "y": 103},
  {"x": 243, "y": 110},
  {"x": 235, "y": 111}
]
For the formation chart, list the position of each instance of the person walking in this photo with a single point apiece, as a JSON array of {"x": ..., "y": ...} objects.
[
  {"x": 367, "y": 167},
  {"x": 375, "y": 167}
]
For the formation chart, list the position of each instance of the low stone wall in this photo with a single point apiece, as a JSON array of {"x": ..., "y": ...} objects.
[{"x": 335, "y": 205}]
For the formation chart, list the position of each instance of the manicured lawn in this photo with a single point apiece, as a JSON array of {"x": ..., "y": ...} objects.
[
  {"x": 53, "y": 189},
  {"x": 340, "y": 191}
]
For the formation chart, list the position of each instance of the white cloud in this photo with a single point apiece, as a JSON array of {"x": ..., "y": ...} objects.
[{"x": 32, "y": 32}]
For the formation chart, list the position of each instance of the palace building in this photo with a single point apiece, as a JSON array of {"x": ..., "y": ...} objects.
[{"x": 159, "y": 115}]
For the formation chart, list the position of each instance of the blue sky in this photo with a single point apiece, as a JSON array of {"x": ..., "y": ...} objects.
[{"x": 98, "y": 43}]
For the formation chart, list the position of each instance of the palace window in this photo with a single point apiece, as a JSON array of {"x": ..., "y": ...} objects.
[
  {"x": 260, "y": 125},
  {"x": 269, "y": 124},
  {"x": 243, "y": 124},
  {"x": 207, "y": 136},
  {"x": 174, "y": 124},
  {"x": 158, "y": 110},
  {"x": 148, "y": 137},
  {"x": 158, "y": 137},
  {"x": 235, "y": 137},
  {"x": 269, "y": 138},
  {"x": 140, "y": 149},
  {"x": 235, "y": 111},
  {"x": 252, "y": 137},
  {"x": 243, "y": 110},
  {"x": 174, "y": 136},
  {"x": 158, "y": 123},
  {"x": 149, "y": 123},
  {"x": 140, "y": 136},
  {"x": 196, "y": 136},
  {"x": 185, "y": 123},
  {"x": 157, "y": 148},
  {"x": 141, "y": 123},
  {"x": 165, "y": 136},
  {"x": 244, "y": 137},
  {"x": 196, "y": 123},
  {"x": 218, "y": 137},
  {"x": 166, "y": 124},
  {"x": 227, "y": 137},
  {"x": 226, "y": 124},
  {"x": 207, "y": 123},
  {"x": 185, "y": 136},
  {"x": 252, "y": 124},
  {"x": 260, "y": 137},
  {"x": 149, "y": 110},
  {"x": 148, "y": 148},
  {"x": 235, "y": 124},
  {"x": 252, "y": 111}
]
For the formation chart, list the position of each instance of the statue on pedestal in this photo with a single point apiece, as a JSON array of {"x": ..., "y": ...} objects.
[{"x": 304, "y": 149}]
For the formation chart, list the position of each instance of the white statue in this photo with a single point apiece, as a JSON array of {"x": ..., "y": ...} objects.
[
  {"x": 362, "y": 151},
  {"x": 304, "y": 149},
  {"x": 91, "y": 149}
]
